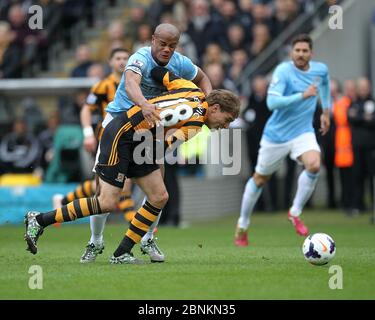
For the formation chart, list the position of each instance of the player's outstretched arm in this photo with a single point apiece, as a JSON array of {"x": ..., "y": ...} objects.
[
  {"x": 325, "y": 122},
  {"x": 277, "y": 102},
  {"x": 89, "y": 141},
  {"x": 325, "y": 97},
  {"x": 203, "y": 82},
  {"x": 133, "y": 89}
]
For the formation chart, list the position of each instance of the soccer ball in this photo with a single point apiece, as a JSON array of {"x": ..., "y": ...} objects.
[{"x": 319, "y": 248}]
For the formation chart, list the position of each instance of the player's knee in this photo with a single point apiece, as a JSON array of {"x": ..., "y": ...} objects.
[
  {"x": 107, "y": 203},
  {"x": 260, "y": 180},
  {"x": 159, "y": 199},
  {"x": 313, "y": 166}
]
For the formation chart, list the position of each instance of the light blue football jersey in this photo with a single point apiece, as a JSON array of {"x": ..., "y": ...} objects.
[
  {"x": 142, "y": 63},
  {"x": 289, "y": 122}
]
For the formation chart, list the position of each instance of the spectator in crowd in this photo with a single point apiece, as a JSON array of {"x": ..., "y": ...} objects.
[
  {"x": 344, "y": 157},
  {"x": 215, "y": 9},
  {"x": 201, "y": 26},
  {"x": 31, "y": 108},
  {"x": 361, "y": 116},
  {"x": 96, "y": 71},
  {"x": 235, "y": 38},
  {"x": 137, "y": 18},
  {"x": 19, "y": 150},
  {"x": 46, "y": 141},
  {"x": 245, "y": 17},
  {"x": 143, "y": 37},
  {"x": 285, "y": 12},
  {"x": 239, "y": 61},
  {"x": 158, "y": 7},
  {"x": 214, "y": 54},
  {"x": 216, "y": 74},
  {"x": 185, "y": 46},
  {"x": 261, "y": 13},
  {"x": 327, "y": 143},
  {"x": 27, "y": 39},
  {"x": 70, "y": 107},
  {"x": 261, "y": 39},
  {"x": 228, "y": 15},
  {"x": 74, "y": 11},
  {"x": 52, "y": 15},
  {"x": 114, "y": 38},
  {"x": 256, "y": 114},
  {"x": 10, "y": 54},
  {"x": 83, "y": 58}
]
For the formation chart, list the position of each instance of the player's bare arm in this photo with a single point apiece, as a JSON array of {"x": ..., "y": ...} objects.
[
  {"x": 132, "y": 87},
  {"x": 203, "y": 82},
  {"x": 89, "y": 141},
  {"x": 324, "y": 122}
]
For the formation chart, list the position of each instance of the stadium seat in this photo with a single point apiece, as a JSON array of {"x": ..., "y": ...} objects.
[{"x": 10, "y": 180}]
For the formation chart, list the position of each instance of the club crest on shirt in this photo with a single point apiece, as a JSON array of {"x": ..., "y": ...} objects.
[
  {"x": 120, "y": 177},
  {"x": 317, "y": 81},
  {"x": 199, "y": 111},
  {"x": 274, "y": 81}
]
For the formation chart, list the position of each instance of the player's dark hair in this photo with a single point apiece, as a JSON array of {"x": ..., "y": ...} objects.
[
  {"x": 303, "y": 37},
  {"x": 114, "y": 51}
]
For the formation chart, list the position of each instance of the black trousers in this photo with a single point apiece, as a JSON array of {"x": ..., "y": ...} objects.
[{"x": 171, "y": 211}]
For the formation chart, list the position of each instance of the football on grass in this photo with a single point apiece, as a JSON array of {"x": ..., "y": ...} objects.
[{"x": 319, "y": 248}]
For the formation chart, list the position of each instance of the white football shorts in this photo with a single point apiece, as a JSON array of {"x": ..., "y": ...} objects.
[{"x": 271, "y": 155}]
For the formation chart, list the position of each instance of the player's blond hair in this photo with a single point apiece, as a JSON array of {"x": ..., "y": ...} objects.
[{"x": 227, "y": 100}]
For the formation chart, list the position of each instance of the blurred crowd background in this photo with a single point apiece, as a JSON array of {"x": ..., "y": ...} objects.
[{"x": 230, "y": 40}]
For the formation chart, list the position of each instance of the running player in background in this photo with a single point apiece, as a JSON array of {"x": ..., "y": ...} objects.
[{"x": 292, "y": 96}]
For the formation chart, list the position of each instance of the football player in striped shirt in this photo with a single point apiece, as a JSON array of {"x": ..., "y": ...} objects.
[{"x": 183, "y": 110}]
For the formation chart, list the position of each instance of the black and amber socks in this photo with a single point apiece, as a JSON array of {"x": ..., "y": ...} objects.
[
  {"x": 74, "y": 210},
  {"x": 141, "y": 223},
  {"x": 84, "y": 190}
]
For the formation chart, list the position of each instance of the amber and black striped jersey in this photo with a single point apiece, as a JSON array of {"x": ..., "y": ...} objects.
[
  {"x": 182, "y": 108},
  {"x": 183, "y": 111},
  {"x": 103, "y": 93}
]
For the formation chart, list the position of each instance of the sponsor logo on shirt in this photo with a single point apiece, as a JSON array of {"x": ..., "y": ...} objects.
[{"x": 138, "y": 63}]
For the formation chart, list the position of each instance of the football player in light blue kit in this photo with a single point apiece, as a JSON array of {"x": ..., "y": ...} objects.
[
  {"x": 135, "y": 87},
  {"x": 292, "y": 96}
]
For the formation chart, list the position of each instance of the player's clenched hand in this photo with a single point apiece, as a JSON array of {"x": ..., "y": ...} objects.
[
  {"x": 324, "y": 123},
  {"x": 150, "y": 114},
  {"x": 311, "y": 91},
  {"x": 90, "y": 143}
]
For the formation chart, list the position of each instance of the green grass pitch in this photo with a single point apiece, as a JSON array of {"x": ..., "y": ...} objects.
[{"x": 202, "y": 262}]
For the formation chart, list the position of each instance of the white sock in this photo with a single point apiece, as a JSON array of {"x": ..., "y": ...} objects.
[
  {"x": 306, "y": 186},
  {"x": 249, "y": 199},
  {"x": 97, "y": 224},
  {"x": 150, "y": 232}
]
